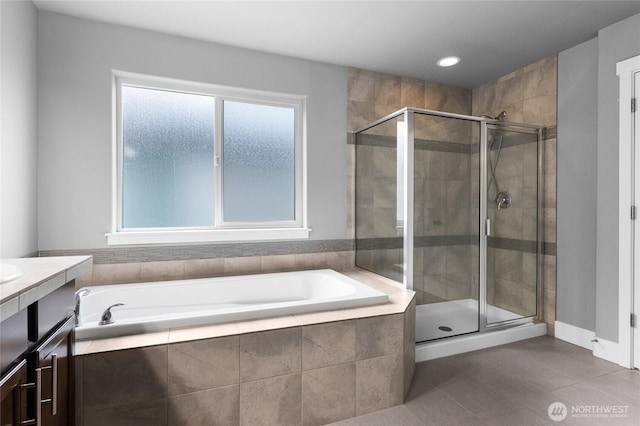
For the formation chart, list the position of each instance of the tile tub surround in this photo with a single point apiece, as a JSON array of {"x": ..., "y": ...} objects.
[{"x": 309, "y": 369}]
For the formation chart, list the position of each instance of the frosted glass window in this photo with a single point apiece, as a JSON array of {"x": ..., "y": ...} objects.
[
  {"x": 167, "y": 159},
  {"x": 258, "y": 163},
  {"x": 202, "y": 163}
]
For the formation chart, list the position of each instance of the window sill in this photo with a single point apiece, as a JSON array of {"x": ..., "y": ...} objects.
[{"x": 206, "y": 236}]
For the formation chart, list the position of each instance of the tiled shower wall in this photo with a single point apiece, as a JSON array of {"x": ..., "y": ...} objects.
[
  {"x": 529, "y": 96},
  {"x": 441, "y": 182}
]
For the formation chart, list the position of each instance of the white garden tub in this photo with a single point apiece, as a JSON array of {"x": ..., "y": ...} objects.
[{"x": 173, "y": 304}]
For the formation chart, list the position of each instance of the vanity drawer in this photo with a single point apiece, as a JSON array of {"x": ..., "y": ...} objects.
[
  {"x": 50, "y": 311},
  {"x": 13, "y": 339}
]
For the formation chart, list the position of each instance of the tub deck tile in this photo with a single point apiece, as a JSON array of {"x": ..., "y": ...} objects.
[
  {"x": 266, "y": 324},
  {"x": 124, "y": 342}
]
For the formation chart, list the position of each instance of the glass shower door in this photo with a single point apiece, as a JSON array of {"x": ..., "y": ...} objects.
[{"x": 512, "y": 224}]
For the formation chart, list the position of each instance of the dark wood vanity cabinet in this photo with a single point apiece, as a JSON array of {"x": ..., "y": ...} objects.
[
  {"x": 50, "y": 368},
  {"x": 13, "y": 406},
  {"x": 36, "y": 347}
]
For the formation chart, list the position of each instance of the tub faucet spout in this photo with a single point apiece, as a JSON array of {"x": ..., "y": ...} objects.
[
  {"x": 106, "y": 315},
  {"x": 76, "y": 310}
]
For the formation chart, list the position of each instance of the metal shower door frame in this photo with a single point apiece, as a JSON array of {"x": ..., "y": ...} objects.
[
  {"x": 408, "y": 244},
  {"x": 487, "y": 125}
]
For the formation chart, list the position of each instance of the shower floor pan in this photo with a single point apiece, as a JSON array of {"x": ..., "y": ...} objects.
[
  {"x": 455, "y": 317},
  {"x": 462, "y": 317}
]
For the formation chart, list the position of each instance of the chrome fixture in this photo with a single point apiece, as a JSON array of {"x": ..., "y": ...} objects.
[
  {"x": 503, "y": 200},
  {"x": 106, "y": 315},
  {"x": 76, "y": 310},
  {"x": 501, "y": 116}
]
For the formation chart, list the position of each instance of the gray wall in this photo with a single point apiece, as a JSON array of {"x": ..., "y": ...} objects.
[
  {"x": 74, "y": 105},
  {"x": 577, "y": 178},
  {"x": 615, "y": 43},
  {"x": 18, "y": 158}
]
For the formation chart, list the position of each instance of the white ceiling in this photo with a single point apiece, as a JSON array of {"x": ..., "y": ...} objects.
[{"x": 405, "y": 38}]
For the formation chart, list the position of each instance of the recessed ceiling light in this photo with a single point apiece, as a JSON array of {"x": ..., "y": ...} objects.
[{"x": 448, "y": 61}]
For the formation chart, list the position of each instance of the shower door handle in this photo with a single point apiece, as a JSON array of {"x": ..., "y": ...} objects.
[{"x": 488, "y": 227}]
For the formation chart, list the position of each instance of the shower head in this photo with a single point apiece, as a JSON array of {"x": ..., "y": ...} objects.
[{"x": 500, "y": 116}]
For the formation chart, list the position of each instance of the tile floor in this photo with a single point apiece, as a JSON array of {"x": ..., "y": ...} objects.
[{"x": 514, "y": 385}]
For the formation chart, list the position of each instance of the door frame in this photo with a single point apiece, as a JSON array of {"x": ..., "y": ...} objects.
[{"x": 628, "y": 229}]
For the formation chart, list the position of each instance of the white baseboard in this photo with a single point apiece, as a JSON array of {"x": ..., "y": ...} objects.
[
  {"x": 601, "y": 348},
  {"x": 608, "y": 351},
  {"x": 574, "y": 335}
]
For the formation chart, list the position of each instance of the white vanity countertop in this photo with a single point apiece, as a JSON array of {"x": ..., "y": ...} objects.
[{"x": 42, "y": 275}]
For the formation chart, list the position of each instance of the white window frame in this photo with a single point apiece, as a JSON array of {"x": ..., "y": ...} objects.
[{"x": 221, "y": 231}]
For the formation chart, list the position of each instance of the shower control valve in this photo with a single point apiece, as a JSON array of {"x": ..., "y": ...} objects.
[{"x": 503, "y": 200}]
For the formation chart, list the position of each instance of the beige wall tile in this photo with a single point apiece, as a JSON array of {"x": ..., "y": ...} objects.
[
  {"x": 328, "y": 344},
  {"x": 379, "y": 336},
  {"x": 144, "y": 371},
  {"x": 273, "y": 401},
  {"x": 411, "y": 93},
  {"x": 85, "y": 280},
  {"x": 117, "y": 273},
  {"x": 361, "y": 85},
  {"x": 203, "y": 268},
  {"x": 409, "y": 325},
  {"x": 329, "y": 394},
  {"x": 278, "y": 263},
  {"x": 540, "y": 110},
  {"x": 409, "y": 367},
  {"x": 213, "y": 407},
  {"x": 162, "y": 271},
  {"x": 360, "y": 114},
  {"x": 203, "y": 364},
  {"x": 382, "y": 110},
  {"x": 242, "y": 265},
  {"x": 549, "y": 191},
  {"x": 509, "y": 91},
  {"x": 340, "y": 260},
  {"x": 270, "y": 353},
  {"x": 379, "y": 383},
  {"x": 387, "y": 92},
  {"x": 511, "y": 75},
  {"x": 549, "y": 225},
  {"x": 308, "y": 261},
  {"x": 540, "y": 81},
  {"x": 550, "y": 155}
]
